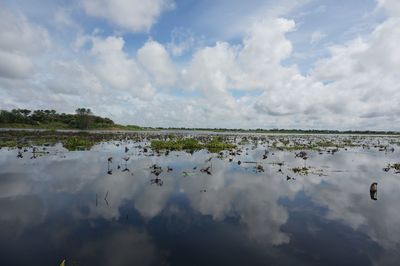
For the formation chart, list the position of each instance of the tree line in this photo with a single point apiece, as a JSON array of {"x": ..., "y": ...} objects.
[{"x": 82, "y": 119}]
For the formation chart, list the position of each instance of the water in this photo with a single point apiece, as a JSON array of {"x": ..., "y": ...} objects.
[{"x": 78, "y": 207}]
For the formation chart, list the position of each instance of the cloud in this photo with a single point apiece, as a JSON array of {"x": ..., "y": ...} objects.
[
  {"x": 250, "y": 81},
  {"x": 182, "y": 41},
  {"x": 155, "y": 59},
  {"x": 117, "y": 69},
  {"x": 20, "y": 43},
  {"x": 211, "y": 71},
  {"x": 15, "y": 66},
  {"x": 392, "y": 7},
  {"x": 363, "y": 73},
  {"x": 256, "y": 64},
  {"x": 317, "y": 36},
  {"x": 71, "y": 77},
  {"x": 131, "y": 15},
  {"x": 63, "y": 17}
]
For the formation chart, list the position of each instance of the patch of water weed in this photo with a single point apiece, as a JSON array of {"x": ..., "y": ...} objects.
[
  {"x": 217, "y": 145},
  {"x": 301, "y": 170},
  {"x": 308, "y": 170},
  {"x": 190, "y": 144},
  {"x": 395, "y": 166},
  {"x": 180, "y": 144},
  {"x": 74, "y": 144},
  {"x": 296, "y": 148}
]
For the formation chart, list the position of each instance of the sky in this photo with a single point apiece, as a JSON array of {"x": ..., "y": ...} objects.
[{"x": 306, "y": 64}]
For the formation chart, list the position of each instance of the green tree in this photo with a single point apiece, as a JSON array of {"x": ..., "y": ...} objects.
[
  {"x": 84, "y": 119},
  {"x": 25, "y": 112}
]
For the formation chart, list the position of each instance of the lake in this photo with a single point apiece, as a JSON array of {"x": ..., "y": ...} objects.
[{"x": 115, "y": 206}]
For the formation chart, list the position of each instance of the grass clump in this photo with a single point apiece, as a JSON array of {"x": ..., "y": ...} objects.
[
  {"x": 325, "y": 144},
  {"x": 296, "y": 148},
  {"x": 182, "y": 144},
  {"x": 74, "y": 144},
  {"x": 218, "y": 145},
  {"x": 190, "y": 144},
  {"x": 300, "y": 170},
  {"x": 395, "y": 166},
  {"x": 8, "y": 143}
]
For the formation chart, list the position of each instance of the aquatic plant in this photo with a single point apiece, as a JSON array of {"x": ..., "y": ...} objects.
[
  {"x": 74, "y": 143},
  {"x": 395, "y": 166},
  {"x": 190, "y": 144},
  {"x": 181, "y": 144},
  {"x": 300, "y": 170},
  {"x": 217, "y": 145}
]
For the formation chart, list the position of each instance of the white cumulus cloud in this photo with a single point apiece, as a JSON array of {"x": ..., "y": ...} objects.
[
  {"x": 132, "y": 15},
  {"x": 21, "y": 42}
]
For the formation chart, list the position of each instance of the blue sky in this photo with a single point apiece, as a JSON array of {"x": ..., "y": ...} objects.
[{"x": 254, "y": 64}]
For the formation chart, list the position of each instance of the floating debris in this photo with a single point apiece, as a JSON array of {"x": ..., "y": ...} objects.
[
  {"x": 290, "y": 178},
  {"x": 185, "y": 173},
  {"x": 157, "y": 181},
  {"x": 301, "y": 154},
  {"x": 265, "y": 155},
  {"x": 259, "y": 168},
  {"x": 156, "y": 170},
  {"x": 394, "y": 166},
  {"x": 206, "y": 170},
  {"x": 105, "y": 198}
]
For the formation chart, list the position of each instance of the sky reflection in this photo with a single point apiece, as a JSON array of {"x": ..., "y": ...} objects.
[{"x": 67, "y": 205}]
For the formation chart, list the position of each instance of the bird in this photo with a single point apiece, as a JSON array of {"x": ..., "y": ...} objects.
[
  {"x": 373, "y": 191},
  {"x": 374, "y": 187}
]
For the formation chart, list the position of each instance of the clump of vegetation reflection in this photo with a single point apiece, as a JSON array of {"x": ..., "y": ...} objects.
[{"x": 190, "y": 144}]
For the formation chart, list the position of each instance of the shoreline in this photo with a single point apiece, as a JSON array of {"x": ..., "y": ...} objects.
[{"x": 195, "y": 131}]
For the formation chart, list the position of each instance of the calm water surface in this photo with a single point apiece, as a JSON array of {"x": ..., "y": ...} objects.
[{"x": 78, "y": 207}]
